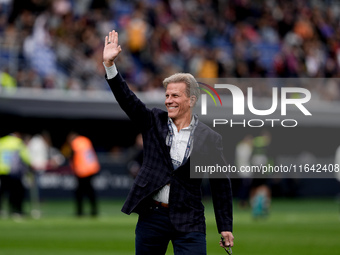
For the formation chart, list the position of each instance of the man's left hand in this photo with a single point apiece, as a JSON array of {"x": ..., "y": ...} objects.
[{"x": 228, "y": 239}]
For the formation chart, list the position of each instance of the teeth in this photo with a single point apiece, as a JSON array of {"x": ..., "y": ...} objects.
[{"x": 172, "y": 107}]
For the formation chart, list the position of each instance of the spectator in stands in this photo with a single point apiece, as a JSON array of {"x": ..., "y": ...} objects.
[
  {"x": 7, "y": 82},
  {"x": 290, "y": 39}
]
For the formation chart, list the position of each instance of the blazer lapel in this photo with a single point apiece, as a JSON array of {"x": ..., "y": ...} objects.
[
  {"x": 199, "y": 137},
  {"x": 163, "y": 130}
]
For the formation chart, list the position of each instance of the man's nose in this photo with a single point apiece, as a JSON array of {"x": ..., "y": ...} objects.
[{"x": 168, "y": 100}]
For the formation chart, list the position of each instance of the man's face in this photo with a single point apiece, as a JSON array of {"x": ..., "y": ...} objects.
[{"x": 177, "y": 102}]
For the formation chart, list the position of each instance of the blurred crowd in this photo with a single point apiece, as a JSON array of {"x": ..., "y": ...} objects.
[{"x": 58, "y": 43}]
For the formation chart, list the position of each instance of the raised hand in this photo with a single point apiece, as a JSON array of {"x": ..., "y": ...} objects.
[{"x": 111, "y": 48}]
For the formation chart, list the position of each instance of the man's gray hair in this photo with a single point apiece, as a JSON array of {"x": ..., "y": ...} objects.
[{"x": 192, "y": 88}]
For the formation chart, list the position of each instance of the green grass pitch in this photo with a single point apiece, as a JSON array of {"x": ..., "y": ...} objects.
[{"x": 293, "y": 227}]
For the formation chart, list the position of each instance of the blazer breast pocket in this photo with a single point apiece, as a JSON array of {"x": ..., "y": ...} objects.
[
  {"x": 141, "y": 181},
  {"x": 140, "y": 187}
]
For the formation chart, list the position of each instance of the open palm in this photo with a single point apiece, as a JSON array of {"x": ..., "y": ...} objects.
[{"x": 111, "y": 48}]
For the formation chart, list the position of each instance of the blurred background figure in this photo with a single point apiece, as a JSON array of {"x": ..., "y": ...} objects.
[
  {"x": 43, "y": 157},
  {"x": 260, "y": 194},
  {"x": 14, "y": 164},
  {"x": 137, "y": 161},
  {"x": 7, "y": 81},
  {"x": 337, "y": 173},
  {"x": 243, "y": 154},
  {"x": 337, "y": 161},
  {"x": 85, "y": 165}
]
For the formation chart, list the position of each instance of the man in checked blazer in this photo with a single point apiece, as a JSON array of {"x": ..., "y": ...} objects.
[{"x": 167, "y": 200}]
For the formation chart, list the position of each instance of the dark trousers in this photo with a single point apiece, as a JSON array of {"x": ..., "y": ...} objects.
[
  {"x": 4, "y": 188},
  {"x": 12, "y": 185},
  {"x": 17, "y": 195},
  {"x": 154, "y": 231},
  {"x": 85, "y": 189}
]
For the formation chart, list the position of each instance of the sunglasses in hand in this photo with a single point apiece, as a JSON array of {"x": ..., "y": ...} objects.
[{"x": 227, "y": 248}]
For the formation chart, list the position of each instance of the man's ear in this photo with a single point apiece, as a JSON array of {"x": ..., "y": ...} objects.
[{"x": 193, "y": 100}]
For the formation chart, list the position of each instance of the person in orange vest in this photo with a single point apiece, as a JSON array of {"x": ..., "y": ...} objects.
[{"x": 85, "y": 165}]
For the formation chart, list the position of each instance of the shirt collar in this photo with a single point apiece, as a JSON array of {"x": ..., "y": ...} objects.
[{"x": 193, "y": 123}]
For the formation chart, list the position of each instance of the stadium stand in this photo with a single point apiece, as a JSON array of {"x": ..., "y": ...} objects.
[{"x": 58, "y": 44}]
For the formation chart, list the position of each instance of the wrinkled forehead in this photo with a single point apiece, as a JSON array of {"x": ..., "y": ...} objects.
[{"x": 176, "y": 87}]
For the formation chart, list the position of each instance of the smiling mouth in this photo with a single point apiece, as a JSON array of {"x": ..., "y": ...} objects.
[{"x": 172, "y": 107}]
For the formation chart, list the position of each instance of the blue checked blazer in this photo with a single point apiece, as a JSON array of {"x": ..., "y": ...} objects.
[{"x": 185, "y": 207}]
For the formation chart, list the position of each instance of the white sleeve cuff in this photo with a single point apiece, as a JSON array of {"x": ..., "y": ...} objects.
[{"x": 111, "y": 71}]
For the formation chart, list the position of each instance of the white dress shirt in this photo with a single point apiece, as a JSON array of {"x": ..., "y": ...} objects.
[{"x": 177, "y": 153}]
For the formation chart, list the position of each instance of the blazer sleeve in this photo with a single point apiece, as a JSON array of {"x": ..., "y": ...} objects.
[
  {"x": 135, "y": 109},
  {"x": 222, "y": 194}
]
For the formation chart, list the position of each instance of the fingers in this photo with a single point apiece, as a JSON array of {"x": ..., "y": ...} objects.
[
  {"x": 111, "y": 48},
  {"x": 228, "y": 238},
  {"x": 113, "y": 37},
  {"x": 110, "y": 36}
]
